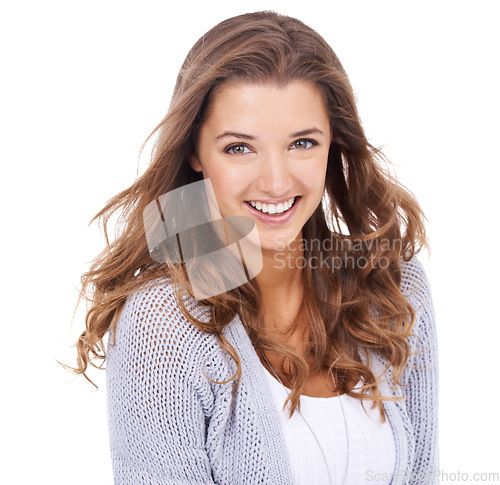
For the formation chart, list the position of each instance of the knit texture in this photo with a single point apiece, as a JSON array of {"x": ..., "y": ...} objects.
[{"x": 168, "y": 424}]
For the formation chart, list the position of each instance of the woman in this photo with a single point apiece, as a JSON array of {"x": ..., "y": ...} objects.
[{"x": 321, "y": 365}]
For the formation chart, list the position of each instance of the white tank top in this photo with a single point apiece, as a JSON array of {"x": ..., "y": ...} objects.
[{"x": 372, "y": 452}]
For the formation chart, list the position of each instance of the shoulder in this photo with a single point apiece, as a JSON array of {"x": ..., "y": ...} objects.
[
  {"x": 415, "y": 284},
  {"x": 413, "y": 276},
  {"x": 154, "y": 309},
  {"x": 416, "y": 288},
  {"x": 153, "y": 332}
]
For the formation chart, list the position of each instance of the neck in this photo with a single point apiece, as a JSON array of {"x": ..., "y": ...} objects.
[{"x": 281, "y": 283}]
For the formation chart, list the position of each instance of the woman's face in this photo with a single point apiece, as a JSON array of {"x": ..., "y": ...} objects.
[{"x": 265, "y": 150}]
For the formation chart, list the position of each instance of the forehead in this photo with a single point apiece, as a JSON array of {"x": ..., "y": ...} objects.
[{"x": 261, "y": 107}]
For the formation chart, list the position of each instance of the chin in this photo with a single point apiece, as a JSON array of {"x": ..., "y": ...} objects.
[
  {"x": 278, "y": 243},
  {"x": 271, "y": 247}
]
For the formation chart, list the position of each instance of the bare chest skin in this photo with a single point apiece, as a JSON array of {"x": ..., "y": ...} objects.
[{"x": 319, "y": 384}]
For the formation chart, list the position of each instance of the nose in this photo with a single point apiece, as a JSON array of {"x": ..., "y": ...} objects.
[{"x": 275, "y": 177}]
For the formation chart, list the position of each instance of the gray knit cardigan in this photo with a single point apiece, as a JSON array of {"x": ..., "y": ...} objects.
[{"x": 168, "y": 424}]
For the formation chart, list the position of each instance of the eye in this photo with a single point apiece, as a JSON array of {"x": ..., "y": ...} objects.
[
  {"x": 237, "y": 149},
  {"x": 304, "y": 143}
]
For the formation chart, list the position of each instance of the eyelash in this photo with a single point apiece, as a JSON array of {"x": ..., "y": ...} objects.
[{"x": 234, "y": 145}]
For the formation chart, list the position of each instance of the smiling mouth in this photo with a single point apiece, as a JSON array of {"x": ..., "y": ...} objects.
[{"x": 273, "y": 209}]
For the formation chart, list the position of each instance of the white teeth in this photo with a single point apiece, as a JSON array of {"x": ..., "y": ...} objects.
[{"x": 273, "y": 208}]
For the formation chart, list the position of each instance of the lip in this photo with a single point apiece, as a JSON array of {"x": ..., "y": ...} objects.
[
  {"x": 275, "y": 202},
  {"x": 275, "y": 220}
]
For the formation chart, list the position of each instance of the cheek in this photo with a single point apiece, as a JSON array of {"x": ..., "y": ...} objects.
[
  {"x": 233, "y": 180},
  {"x": 313, "y": 175},
  {"x": 226, "y": 188},
  {"x": 213, "y": 172}
]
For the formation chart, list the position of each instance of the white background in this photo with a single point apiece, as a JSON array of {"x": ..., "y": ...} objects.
[{"x": 84, "y": 83}]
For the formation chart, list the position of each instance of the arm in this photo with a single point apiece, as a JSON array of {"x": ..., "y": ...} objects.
[
  {"x": 158, "y": 399},
  {"x": 422, "y": 376}
]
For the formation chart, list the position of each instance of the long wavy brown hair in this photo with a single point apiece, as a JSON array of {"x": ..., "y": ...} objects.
[{"x": 368, "y": 214}]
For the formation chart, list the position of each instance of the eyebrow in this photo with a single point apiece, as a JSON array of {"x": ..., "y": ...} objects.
[{"x": 309, "y": 131}]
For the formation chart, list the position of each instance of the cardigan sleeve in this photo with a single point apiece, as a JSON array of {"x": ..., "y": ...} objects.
[
  {"x": 158, "y": 401},
  {"x": 421, "y": 376}
]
